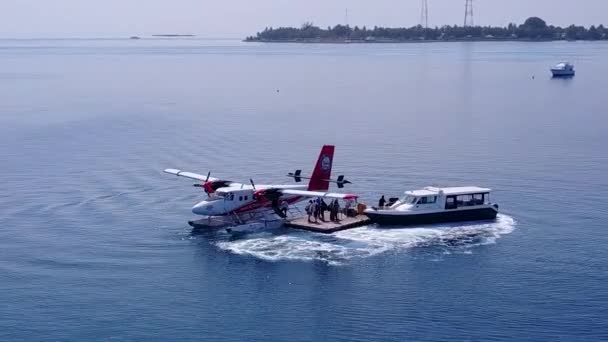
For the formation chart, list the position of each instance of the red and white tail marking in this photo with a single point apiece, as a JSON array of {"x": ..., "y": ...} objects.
[{"x": 322, "y": 172}]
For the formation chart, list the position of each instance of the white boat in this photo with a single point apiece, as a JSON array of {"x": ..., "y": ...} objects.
[
  {"x": 437, "y": 205},
  {"x": 563, "y": 69}
]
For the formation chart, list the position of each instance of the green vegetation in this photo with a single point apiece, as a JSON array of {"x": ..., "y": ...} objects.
[{"x": 533, "y": 29}]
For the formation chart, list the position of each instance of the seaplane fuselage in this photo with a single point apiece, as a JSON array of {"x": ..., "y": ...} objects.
[
  {"x": 227, "y": 197},
  {"x": 226, "y": 201}
]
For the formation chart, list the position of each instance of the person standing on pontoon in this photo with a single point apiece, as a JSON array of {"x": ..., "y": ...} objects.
[
  {"x": 309, "y": 210},
  {"x": 322, "y": 208},
  {"x": 336, "y": 210},
  {"x": 283, "y": 207},
  {"x": 348, "y": 204}
]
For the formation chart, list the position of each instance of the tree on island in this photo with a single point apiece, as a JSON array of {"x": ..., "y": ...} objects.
[{"x": 534, "y": 28}]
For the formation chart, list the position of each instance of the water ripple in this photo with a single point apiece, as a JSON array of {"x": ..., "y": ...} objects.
[{"x": 339, "y": 248}]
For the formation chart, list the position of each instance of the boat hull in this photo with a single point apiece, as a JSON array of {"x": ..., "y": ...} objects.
[
  {"x": 408, "y": 219},
  {"x": 562, "y": 73}
]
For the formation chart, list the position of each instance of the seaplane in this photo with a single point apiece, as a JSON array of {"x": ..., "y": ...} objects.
[{"x": 243, "y": 207}]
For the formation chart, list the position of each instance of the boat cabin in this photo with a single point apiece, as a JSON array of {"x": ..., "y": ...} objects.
[
  {"x": 563, "y": 66},
  {"x": 437, "y": 205},
  {"x": 443, "y": 198}
]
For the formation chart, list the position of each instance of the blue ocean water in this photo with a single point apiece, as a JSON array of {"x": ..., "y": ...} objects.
[{"x": 94, "y": 240}]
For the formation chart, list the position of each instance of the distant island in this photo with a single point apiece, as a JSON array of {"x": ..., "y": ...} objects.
[
  {"x": 172, "y": 35},
  {"x": 533, "y": 29}
]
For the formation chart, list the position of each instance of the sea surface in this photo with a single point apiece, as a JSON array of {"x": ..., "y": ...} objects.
[{"x": 94, "y": 240}]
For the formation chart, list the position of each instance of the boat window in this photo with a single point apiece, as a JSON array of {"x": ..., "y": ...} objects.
[
  {"x": 478, "y": 199},
  {"x": 428, "y": 200},
  {"x": 465, "y": 200},
  {"x": 409, "y": 199},
  {"x": 246, "y": 197},
  {"x": 232, "y": 196},
  {"x": 450, "y": 202},
  {"x": 240, "y": 198}
]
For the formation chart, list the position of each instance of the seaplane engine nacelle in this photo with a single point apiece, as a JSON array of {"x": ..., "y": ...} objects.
[{"x": 211, "y": 186}]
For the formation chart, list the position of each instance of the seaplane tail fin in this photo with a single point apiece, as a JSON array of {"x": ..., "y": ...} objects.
[{"x": 322, "y": 172}]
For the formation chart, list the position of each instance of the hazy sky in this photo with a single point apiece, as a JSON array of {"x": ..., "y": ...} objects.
[{"x": 237, "y": 18}]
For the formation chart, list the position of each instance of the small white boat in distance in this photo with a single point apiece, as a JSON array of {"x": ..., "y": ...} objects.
[
  {"x": 563, "y": 69},
  {"x": 437, "y": 205}
]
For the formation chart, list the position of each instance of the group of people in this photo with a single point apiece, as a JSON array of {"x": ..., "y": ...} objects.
[{"x": 315, "y": 209}]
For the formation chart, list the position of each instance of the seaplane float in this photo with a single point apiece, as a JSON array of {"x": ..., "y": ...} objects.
[{"x": 240, "y": 207}]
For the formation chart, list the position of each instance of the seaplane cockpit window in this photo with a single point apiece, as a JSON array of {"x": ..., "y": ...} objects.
[{"x": 217, "y": 195}]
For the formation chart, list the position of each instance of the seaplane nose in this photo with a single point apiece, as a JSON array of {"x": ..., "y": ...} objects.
[{"x": 201, "y": 208}]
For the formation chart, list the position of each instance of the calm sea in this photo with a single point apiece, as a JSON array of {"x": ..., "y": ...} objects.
[{"x": 94, "y": 240}]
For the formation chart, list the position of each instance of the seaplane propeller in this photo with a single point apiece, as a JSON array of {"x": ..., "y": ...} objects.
[
  {"x": 210, "y": 185},
  {"x": 340, "y": 181},
  {"x": 202, "y": 185},
  {"x": 264, "y": 194},
  {"x": 267, "y": 194}
]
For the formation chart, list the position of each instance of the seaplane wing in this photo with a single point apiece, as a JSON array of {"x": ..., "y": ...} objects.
[
  {"x": 190, "y": 175},
  {"x": 307, "y": 193}
]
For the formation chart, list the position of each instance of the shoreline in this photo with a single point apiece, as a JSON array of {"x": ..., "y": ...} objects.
[
  {"x": 534, "y": 29},
  {"x": 395, "y": 41}
]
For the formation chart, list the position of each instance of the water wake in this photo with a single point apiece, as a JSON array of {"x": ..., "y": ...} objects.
[{"x": 364, "y": 242}]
